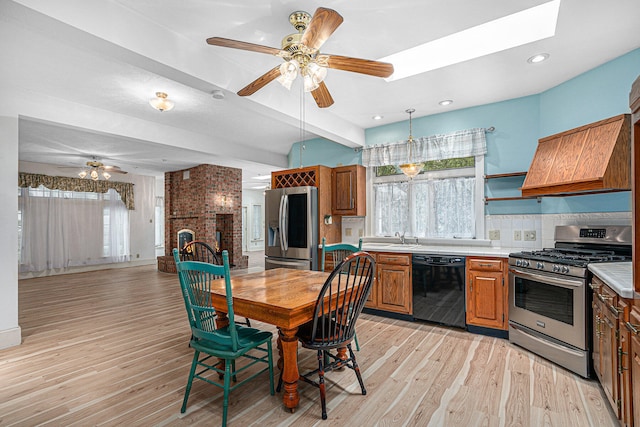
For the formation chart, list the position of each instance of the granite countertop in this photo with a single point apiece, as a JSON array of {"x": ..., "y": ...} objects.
[{"x": 617, "y": 275}]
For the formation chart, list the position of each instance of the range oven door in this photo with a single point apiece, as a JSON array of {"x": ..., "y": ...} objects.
[{"x": 550, "y": 304}]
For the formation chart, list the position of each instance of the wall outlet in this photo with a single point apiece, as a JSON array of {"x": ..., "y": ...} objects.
[
  {"x": 530, "y": 235},
  {"x": 517, "y": 235},
  {"x": 494, "y": 234}
]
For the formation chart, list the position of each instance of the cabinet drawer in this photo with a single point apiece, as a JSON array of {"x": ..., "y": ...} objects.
[
  {"x": 395, "y": 259},
  {"x": 485, "y": 264}
]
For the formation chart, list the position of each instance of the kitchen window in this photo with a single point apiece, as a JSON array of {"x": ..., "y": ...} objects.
[{"x": 443, "y": 201}]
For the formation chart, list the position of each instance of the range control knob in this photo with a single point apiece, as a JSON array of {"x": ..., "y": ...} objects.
[
  {"x": 539, "y": 265},
  {"x": 556, "y": 268},
  {"x": 565, "y": 269},
  {"x": 525, "y": 263}
]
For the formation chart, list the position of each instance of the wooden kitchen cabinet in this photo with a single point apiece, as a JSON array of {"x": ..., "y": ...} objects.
[
  {"x": 349, "y": 191},
  {"x": 634, "y": 360},
  {"x": 624, "y": 364},
  {"x": 392, "y": 289},
  {"x": 605, "y": 354},
  {"x": 487, "y": 292}
]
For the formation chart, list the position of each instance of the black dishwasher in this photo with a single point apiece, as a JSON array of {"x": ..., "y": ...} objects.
[{"x": 438, "y": 289}]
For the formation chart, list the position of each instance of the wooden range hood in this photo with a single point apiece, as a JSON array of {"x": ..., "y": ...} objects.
[{"x": 594, "y": 158}]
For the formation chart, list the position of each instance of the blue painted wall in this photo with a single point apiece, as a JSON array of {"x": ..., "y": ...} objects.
[{"x": 594, "y": 95}]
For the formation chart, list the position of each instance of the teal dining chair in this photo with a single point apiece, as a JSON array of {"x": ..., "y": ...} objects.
[
  {"x": 338, "y": 252},
  {"x": 227, "y": 344}
]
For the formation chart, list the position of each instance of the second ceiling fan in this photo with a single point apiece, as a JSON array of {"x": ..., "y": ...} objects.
[{"x": 302, "y": 57}]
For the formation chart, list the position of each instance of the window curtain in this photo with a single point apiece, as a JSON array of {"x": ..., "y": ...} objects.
[
  {"x": 63, "y": 229},
  {"x": 444, "y": 208},
  {"x": 124, "y": 189},
  {"x": 463, "y": 143},
  {"x": 391, "y": 207}
]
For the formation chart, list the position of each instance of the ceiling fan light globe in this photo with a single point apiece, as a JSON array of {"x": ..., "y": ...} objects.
[
  {"x": 94, "y": 175},
  {"x": 285, "y": 82},
  {"x": 106, "y": 175},
  {"x": 289, "y": 70},
  {"x": 83, "y": 173},
  {"x": 317, "y": 72},
  {"x": 309, "y": 83}
]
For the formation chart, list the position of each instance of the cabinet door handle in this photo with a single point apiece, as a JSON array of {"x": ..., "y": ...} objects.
[
  {"x": 620, "y": 354},
  {"x": 632, "y": 328},
  {"x": 593, "y": 287}
]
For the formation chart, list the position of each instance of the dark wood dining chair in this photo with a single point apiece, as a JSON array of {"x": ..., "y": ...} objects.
[
  {"x": 338, "y": 252},
  {"x": 197, "y": 250},
  {"x": 337, "y": 308},
  {"x": 212, "y": 345}
]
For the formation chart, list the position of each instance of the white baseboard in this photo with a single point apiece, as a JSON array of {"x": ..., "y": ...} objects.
[{"x": 10, "y": 337}]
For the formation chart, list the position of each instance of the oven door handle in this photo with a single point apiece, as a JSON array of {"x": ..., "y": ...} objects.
[{"x": 560, "y": 281}]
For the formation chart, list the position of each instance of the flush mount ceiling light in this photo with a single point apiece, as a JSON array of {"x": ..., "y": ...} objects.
[
  {"x": 411, "y": 168},
  {"x": 538, "y": 58},
  {"x": 445, "y": 102},
  {"x": 161, "y": 103},
  {"x": 526, "y": 26}
]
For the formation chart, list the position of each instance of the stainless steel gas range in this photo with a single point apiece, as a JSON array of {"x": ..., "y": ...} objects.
[{"x": 549, "y": 305}]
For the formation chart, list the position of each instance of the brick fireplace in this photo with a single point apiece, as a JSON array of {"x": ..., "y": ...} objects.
[{"x": 207, "y": 200}]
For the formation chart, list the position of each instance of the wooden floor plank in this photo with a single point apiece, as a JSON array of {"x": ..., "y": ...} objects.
[{"x": 111, "y": 348}]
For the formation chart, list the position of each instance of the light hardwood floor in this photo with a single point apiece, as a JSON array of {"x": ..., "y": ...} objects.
[{"x": 110, "y": 348}]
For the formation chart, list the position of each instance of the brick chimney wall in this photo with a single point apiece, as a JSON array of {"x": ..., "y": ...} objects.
[{"x": 205, "y": 199}]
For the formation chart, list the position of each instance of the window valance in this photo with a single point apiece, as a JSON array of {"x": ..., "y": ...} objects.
[
  {"x": 462, "y": 143},
  {"x": 124, "y": 189}
]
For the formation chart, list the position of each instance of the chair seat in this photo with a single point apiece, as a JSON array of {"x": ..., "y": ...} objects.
[
  {"x": 304, "y": 335},
  {"x": 225, "y": 350}
]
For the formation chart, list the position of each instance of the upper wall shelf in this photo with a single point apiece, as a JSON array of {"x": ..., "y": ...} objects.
[{"x": 506, "y": 175}]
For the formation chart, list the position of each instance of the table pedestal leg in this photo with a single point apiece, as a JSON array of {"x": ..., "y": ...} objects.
[{"x": 288, "y": 364}]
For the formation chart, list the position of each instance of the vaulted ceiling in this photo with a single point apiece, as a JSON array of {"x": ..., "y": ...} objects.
[{"x": 80, "y": 74}]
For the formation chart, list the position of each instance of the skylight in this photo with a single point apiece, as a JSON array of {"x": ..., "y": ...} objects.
[{"x": 522, "y": 27}]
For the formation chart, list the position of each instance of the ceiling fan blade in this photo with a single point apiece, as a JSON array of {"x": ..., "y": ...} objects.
[
  {"x": 323, "y": 23},
  {"x": 322, "y": 96},
  {"x": 113, "y": 169},
  {"x": 236, "y": 44},
  {"x": 357, "y": 65},
  {"x": 260, "y": 82}
]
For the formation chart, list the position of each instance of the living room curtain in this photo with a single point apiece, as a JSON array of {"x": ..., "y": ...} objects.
[
  {"x": 34, "y": 180},
  {"x": 61, "y": 229}
]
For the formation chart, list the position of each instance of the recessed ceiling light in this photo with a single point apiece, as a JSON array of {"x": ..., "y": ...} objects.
[
  {"x": 538, "y": 58},
  {"x": 217, "y": 94},
  {"x": 526, "y": 26},
  {"x": 377, "y": 117},
  {"x": 445, "y": 102}
]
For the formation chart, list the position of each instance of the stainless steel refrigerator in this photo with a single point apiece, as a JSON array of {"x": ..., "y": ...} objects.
[{"x": 291, "y": 222}]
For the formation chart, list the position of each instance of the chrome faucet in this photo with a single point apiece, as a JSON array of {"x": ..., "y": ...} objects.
[{"x": 401, "y": 236}]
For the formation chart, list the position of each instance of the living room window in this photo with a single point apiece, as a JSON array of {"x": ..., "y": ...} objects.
[{"x": 60, "y": 229}]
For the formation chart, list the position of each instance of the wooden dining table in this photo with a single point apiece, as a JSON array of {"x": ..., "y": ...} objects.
[{"x": 282, "y": 297}]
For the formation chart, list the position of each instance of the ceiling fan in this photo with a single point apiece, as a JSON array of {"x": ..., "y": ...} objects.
[
  {"x": 95, "y": 169},
  {"x": 302, "y": 57}
]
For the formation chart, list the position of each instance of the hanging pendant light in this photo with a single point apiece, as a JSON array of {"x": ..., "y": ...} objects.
[{"x": 411, "y": 169}]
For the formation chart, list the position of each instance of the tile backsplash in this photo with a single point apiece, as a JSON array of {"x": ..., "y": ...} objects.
[
  {"x": 352, "y": 229},
  {"x": 544, "y": 227}
]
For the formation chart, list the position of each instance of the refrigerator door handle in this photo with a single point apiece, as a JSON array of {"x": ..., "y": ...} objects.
[
  {"x": 285, "y": 222},
  {"x": 280, "y": 216}
]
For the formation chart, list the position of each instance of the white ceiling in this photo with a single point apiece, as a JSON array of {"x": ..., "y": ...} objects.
[{"x": 81, "y": 73}]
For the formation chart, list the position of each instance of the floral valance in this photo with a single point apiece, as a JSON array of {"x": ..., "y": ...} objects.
[
  {"x": 124, "y": 189},
  {"x": 463, "y": 143}
]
